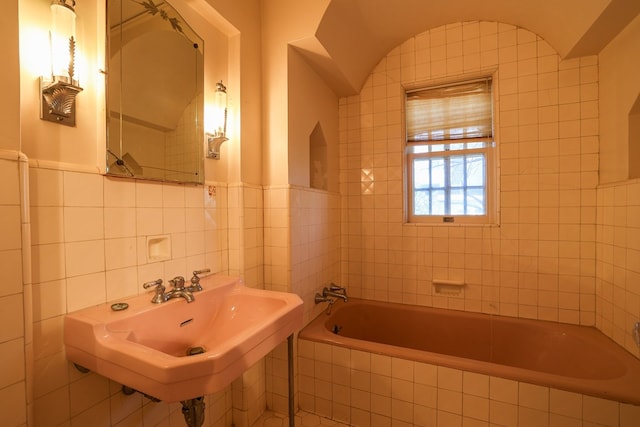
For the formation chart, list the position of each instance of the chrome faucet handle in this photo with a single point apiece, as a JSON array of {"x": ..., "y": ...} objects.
[
  {"x": 323, "y": 298},
  {"x": 157, "y": 282},
  {"x": 335, "y": 288},
  {"x": 198, "y": 272},
  {"x": 159, "y": 296},
  {"x": 177, "y": 282},
  {"x": 195, "y": 280}
]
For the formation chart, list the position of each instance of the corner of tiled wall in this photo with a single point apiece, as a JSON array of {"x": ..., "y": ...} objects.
[
  {"x": 13, "y": 384},
  {"x": 618, "y": 262}
]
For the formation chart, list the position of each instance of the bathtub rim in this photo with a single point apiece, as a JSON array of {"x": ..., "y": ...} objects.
[{"x": 624, "y": 389}]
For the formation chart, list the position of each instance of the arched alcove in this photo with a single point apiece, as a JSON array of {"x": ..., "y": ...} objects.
[{"x": 318, "y": 159}]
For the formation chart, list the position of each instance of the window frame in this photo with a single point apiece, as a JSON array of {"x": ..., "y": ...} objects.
[{"x": 491, "y": 165}]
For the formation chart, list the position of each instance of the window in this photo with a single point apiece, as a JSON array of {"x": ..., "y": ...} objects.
[{"x": 449, "y": 148}]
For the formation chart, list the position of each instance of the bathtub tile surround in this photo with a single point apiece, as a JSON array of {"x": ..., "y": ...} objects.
[
  {"x": 365, "y": 389},
  {"x": 565, "y": 249},
  {"x": 540, "y": 262}
]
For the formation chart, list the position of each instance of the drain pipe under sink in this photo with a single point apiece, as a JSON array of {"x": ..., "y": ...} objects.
[{"x": 193, "y": 411}]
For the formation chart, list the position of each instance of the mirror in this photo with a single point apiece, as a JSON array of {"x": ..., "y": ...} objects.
[{"x": 155, "y": 93}]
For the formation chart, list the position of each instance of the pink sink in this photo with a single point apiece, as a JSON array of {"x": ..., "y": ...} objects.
[{"x": 146, "y": 346}]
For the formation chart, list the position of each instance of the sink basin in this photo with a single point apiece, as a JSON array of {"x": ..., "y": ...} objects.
[{"x": 146, "y": 346}]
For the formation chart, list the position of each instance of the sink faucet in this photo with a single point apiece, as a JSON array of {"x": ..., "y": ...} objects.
[
  {"x": 179, "y": 290},
  {"x": 335, "y": 291}
]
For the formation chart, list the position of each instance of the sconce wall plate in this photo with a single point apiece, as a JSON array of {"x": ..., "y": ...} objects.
[
  {"x": 213, "y": 145},
  {"x": 58, "y": 101}
]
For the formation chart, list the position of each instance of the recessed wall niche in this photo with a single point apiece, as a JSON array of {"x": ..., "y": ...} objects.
[
  {"x": 318, "y": 159},
  {"x": 634, "y": 140}
]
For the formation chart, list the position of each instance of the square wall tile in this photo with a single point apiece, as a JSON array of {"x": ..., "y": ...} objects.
[
  {"x": 119, "y": 222},
  {"x": 121, "y": 283},
  {"x": 149, "y": 221},
  {"x": 119, "y": 192},
  {"x": 9, "y": 177},
  {"x": 84, "y": 257},
  {"x": 148, "y": 194},
  {"x": 51, "y": 373},
  {"x": 48, "y": 262},
  {"x": 49, "y": 299},
  {"x": 48, "y": 337},
  {"x": 173, "y": 196},
  {"x": 11, "y": 317},
  {"x": 600, "y": 411},
  {"x": 88, "y": 391},
  {"x": 13, "y": 404},
  {"x": 194, "y": 197},
  {"x": 47, "y": 224},
  {"x": 174, "y": 220},
  {"x": 10, "y": 228},
  {"x": 85, "y": 291},
  {"x": 13, "y": 361},
  {"x": 83, "y": 189},
  {"x": 120, "y": 253},
  {"x": 83, "y": 223},
  {"x": 11, "y": 267},
  {"x": 46, "y": 187}
]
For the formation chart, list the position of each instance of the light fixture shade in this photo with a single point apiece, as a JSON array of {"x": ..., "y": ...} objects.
[
  {"x": 217, "y": 123},
  {"x": 220, "y": 110},
  {"x": 63, "y": 39}
]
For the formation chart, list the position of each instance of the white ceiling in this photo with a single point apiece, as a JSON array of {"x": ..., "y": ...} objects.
[{"x": 354, "y": 35}]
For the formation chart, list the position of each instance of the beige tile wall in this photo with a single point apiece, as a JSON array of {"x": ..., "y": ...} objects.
[
  {"x": 315, "y": 243},
  {"x": 365, "y": 389},
  {"x": 540, "y": 262},
  {"x": 89, "y": 246},
  {"x": 618, "y": 266},
  {"x": 253, "y": 240},
  {"x": 13, "y": 389},
  {"x": 302, "y": 255},
  {"x": 246, "y": 259},
  {"x": 277, "y": 238}
]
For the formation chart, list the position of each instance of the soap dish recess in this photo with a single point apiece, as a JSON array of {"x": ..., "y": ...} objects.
[
  {"x": 448, "y": 287},
  {"x": 158, "y": 248}
]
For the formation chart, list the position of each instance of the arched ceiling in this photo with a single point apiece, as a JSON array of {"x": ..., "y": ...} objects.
[{"x": 354, "y": 35}]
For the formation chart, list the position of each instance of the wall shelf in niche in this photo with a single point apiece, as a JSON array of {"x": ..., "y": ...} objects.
[
  {"x": 318, "y": 159},
  {"x": 158, "y": 248}
]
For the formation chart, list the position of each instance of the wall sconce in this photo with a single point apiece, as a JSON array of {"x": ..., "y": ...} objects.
[
  {"x": 218, "y": 122},
  {"x": 58, "y": 91}
]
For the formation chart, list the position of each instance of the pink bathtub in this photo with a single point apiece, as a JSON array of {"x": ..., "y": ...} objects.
[{"x": 568, "y": 357}]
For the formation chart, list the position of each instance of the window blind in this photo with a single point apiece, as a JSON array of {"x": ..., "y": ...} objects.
[{"x": 459, "y": 111}]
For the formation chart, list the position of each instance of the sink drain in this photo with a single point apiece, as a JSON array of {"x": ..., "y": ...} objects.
[{"x": 192, "y": 351}]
